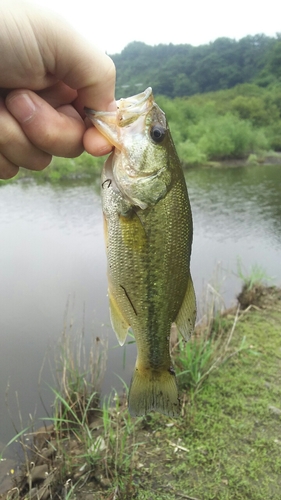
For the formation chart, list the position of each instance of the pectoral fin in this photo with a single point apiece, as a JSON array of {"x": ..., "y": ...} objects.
[
  {"x": 119, "y": 323},
  {"x": 187, "y": 314}
]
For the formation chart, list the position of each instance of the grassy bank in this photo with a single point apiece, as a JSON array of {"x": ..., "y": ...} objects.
[
  {"x": 83, "y": 168},
  {"x": 226, "y": 444}
]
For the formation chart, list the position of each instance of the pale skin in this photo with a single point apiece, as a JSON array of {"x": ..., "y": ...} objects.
[{"x": 48, "y": 73}]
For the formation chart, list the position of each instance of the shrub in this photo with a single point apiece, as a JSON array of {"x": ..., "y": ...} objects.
[
  {"x": 189, "y": 153},
  {"x": 226, "y": 136},
  {"x": 254, "y": 109},
  {"x": 273, "y": 134}
]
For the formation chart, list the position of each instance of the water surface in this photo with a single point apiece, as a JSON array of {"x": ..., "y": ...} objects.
[{"x": 52, "y": 254}]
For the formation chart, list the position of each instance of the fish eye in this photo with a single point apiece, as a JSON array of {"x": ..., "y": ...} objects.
[{"x": 157, "y": 133}]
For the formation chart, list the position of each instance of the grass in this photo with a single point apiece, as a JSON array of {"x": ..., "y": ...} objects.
[
  {"x": 229, "y": 438},
  {"x": 206, "y": 351},
  {"x": 225, "y": 446},
  {"x": 14, "y": 439},
  {"x": 211, "y": 344},
  {"x": 83, "y": 167},
  {"x": 256, "y": 276},
  {"x": 84, "y": 441},
  {"x": 253, "y": 285}
]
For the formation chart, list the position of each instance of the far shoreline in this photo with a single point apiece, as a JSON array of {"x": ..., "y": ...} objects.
[
  {"x": 87, "y": 168},
  {"x": 267, "y": 158}
]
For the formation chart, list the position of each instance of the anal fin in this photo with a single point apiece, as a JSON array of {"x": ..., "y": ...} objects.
[
  {"x": 119, "y": 323},
  {"x": 186, "y": 317}
]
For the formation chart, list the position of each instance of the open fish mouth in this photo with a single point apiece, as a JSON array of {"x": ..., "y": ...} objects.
[
  {"x": 128, "y": 109},
  {"x": 135, "y": 105}
]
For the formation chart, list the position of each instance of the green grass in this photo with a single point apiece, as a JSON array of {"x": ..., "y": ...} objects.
[
  {"x": 225, "y": 446},
  {"x": 14, "y": 439},
  {"x": 232, "y": 438},
  {"x": 80, "y": 169},
  {"x": 83, "y": 440},
  {"x": 256, "y": 275}
]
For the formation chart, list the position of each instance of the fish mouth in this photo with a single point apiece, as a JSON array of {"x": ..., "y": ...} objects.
[
  {"x": 137, "y": 104},
  {"x": 128, "y": 109}
]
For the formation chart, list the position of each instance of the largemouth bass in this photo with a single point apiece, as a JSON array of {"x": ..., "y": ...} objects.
[{"x": 148, "y": 234}]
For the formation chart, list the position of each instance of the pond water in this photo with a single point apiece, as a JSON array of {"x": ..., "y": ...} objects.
[{"x": 53, "y": 268}]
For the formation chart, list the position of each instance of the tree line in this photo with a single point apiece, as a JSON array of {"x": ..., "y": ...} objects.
[
  {"x": 184, "y": 70},
  {"x": 222, "y": 100}
]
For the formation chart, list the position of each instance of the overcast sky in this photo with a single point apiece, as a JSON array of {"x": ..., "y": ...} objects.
[{"x": 112, "y": 24}]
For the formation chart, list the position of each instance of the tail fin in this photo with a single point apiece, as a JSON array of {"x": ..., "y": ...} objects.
[{"x": 154, "y": 390}]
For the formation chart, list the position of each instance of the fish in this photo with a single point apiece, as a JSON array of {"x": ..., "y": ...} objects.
[{"x": 148, "y": 235}]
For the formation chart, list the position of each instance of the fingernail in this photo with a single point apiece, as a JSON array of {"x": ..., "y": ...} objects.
[{"x": 21, "y": 107}]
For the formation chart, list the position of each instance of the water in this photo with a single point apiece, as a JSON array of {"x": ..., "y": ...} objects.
[{"x": 52, "y": 255}]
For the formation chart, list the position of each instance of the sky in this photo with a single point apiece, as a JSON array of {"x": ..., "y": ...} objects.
[{"x": 112, "y": 24}]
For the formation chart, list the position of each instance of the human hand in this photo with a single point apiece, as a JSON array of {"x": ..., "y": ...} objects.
[{"x": 48, "y": 73}]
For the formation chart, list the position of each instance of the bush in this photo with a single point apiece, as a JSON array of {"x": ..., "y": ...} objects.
[
  {"x": 66, "y": 169},
  {"x": 255, "y": 109},
  {"x": 189, "y": 153},
  {"x": 226, "y": 136},
  {"x": 273, "y": 134}
]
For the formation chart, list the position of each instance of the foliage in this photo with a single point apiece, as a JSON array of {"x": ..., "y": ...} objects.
[
  {"x": 209, "y": 348},
  {"x": 257, "y": 275},
  {"x": 184, "y": 70},
  {"x": 226, "y": 124},
  {"x": 223, "y": 137},
  {"x": 273, "y": 133},
  {"x": 83, "y": 166},
  {"x": 190, "y": 153},
  {"x": 62, "y": 169},
  {"x": 274, "y": 62},
  {"x": 226, "y": 95},
  {"x": 211, "y": 344}
]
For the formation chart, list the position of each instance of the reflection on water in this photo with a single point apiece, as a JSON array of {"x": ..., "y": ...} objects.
[
  {"x": 236, "y": 213},
  {"x": 238, "y": 201},
  {"x": 52, "y": 253}
]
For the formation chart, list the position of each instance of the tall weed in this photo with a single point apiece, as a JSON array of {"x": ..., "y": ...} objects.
[
  {"x": 210, "y": 346},
  {"x": 257, "y": 275}
]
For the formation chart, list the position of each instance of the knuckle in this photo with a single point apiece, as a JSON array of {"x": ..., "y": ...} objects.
[
  {"x": 37, "y": 162},
  {"x": 7, "y": 135},
  {"x": 74, "y": 151},
  {"x": 65, "y": 139},
  {"x": 7, "y": 169},
  {"x": 8, "y": 126}
]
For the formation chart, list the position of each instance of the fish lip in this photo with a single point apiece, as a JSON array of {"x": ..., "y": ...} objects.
[
  {"x": 135, "y": 105},
  {"x": 91, "y": 112}
]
